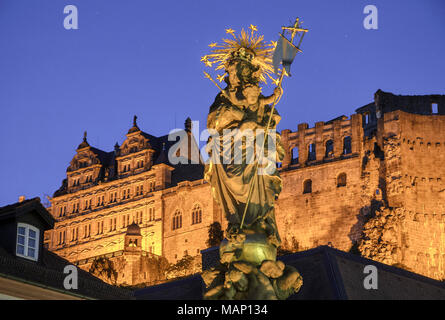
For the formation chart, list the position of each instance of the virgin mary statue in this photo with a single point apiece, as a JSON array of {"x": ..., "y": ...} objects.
[{"x": 242, "y": 168}]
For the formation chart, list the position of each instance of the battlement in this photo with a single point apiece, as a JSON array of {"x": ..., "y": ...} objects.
[
  {"x": 335, "y": 139},
  {"x": 342, "y": 137}
]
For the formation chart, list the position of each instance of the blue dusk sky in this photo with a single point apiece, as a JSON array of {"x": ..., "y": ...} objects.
[{"x": 143, "y": 57}]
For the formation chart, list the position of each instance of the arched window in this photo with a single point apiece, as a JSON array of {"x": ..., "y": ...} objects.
[
  {"x": 347, "y": 145},
  {"x": 307, "y": 186},
  {"x": 341, "y": 180},
  {"x": 329, "y": 149},
  {"x": 196, "y": 214},
  {"x": 177, "y": 220}
]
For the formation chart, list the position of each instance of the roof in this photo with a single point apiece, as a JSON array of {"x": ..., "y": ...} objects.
[
  {"x": 20, "y": 208},
  {"x": 161, "y": 145},
  {"x": 328, "y": 274},
  {"x": 49, "y": 273},
  {"x": 133, "y": 229},
  {"x": 189, "y": 288}
]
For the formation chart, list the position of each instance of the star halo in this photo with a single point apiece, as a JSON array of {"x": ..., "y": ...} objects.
[{"x": 247, "y": 42}]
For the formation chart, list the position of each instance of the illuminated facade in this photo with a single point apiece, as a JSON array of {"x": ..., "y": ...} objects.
[{"x": 372, "y": 182}]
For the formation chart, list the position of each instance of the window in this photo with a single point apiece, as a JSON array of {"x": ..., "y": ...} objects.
[
  {"x": 151, "y": 214},
  {"x": 113, "y": 197},
  {"x": 62, "y": 211},
  {"x": 311, "y": 152},
  {"x": 76, "y": 207},
  {"x": 125, "y": 220},
  {"x": 366, "y": 120},
  {"x": 74, "y": 234},
  {"x": 140, "y": 164},
  {"x": 152, "y": 186},
  {"x": 329, "y": 149},
  {"x": 307, "y": 186},
  {"x": 61, "y": 237},
  {"x": 126, "y": 168},
  {"x": 347, "y": 145},
  {"x": 341, "y": 180},
  {"x": 139, "y": 190},
  {"x": 196, "y": 214},
  {"x": 126, "y": 194},
  {"x": 88, "y": 204},
  {"x": 27, "y": 241},
  {"x": 177, "y": 220},
  {"x": 138, "y": 218},
  {"x": 100, "y": 227},
  {"x": 100, "y": 200},
  {"x": 112, "y": 224},
  {"x": 87, "y": 231},
  {"x": 434, "y": 108},
  {"x": 294, "y": 156}
]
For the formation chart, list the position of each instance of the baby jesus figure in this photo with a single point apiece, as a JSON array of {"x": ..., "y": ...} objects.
[{"x": 254, "y": 104}]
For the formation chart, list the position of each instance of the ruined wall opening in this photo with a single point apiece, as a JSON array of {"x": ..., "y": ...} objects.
[
  {"x": 329, "y": 149},
  {"x": 434, "y": 108},
  {"x": 311, "y": 152},
  {"x": 295, "y": 156},
  {"x": 347, "y": 145},
  {"x": 366, "y": 118}
]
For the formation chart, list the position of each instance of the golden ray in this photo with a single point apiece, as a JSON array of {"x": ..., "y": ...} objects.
[
  {"x": 231, "y": 31},
  {"x": 252, "y": 43},
  {"x": 220, "y": 78}
]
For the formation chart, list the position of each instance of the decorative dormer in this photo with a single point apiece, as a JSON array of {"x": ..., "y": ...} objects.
[
  {"x": 136, "y": 153},
  {"x": 86, "y": 166},
  {"x": 22, "y": 227}
]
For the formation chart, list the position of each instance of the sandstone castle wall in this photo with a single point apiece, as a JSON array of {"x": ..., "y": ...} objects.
[{"x": 372, "y": 182}]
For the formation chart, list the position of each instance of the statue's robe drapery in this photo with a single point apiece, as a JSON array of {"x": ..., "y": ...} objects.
[{"x": 231, "y": 180}]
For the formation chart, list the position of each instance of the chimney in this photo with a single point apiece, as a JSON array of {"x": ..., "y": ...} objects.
[
  {"x": 21, "y": 198},
  {"x": 188, "y": 124}
]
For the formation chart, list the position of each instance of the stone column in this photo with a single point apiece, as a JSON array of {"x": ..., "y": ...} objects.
[
  {"x": 302, "y": 146},
  {"x": 288, "y": 154},
  {"x": 319, "y": 145}
]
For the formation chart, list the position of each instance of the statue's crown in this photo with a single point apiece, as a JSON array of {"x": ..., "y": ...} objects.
[{"x": 243, "y": 54}]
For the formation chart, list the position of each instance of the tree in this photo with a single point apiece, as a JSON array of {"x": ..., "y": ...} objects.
[
  {"x": 103, "y": 268},
  {"x": 181, "y": 268},
  {"x": 216, "y": 234}
]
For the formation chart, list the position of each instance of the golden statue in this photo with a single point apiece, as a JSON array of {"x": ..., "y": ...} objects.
[{"x": 243, "y": 151}]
